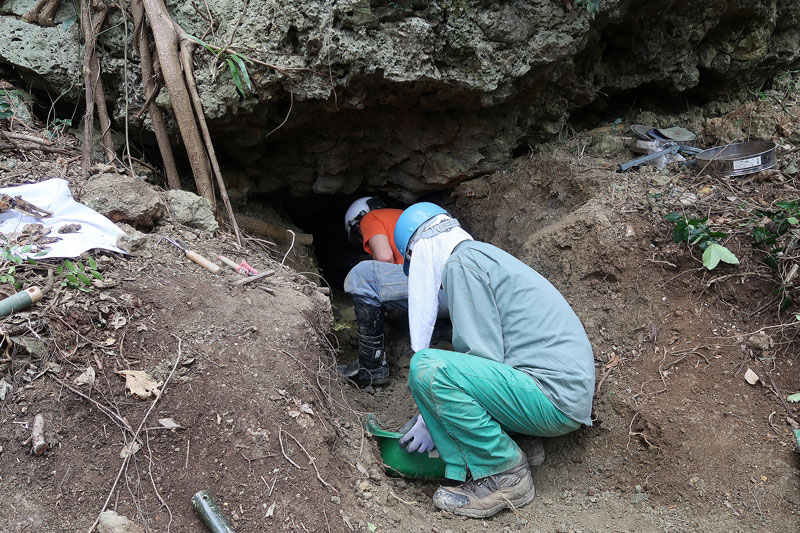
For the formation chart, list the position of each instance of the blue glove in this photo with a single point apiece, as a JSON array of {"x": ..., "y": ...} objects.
[{"x": 416, "y": 437}]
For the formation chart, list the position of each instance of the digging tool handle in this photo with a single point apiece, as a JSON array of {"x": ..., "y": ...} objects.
[
  {"x": 209, "y": 512},
  {"x": 228, "y": 262},
  {"x": 202, "y": 261},
  {"x": 21, "y": 300}
]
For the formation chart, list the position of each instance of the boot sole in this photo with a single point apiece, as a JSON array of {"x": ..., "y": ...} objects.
[
  {"x": 525, "y": 499},
  {"x": 381, "y": 381}
]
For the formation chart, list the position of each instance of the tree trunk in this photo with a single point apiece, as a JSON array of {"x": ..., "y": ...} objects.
[
  {"x": 150, "y": 86},
  {"x": 166, "y": 40},
  {"x": 88, "y": 117}
]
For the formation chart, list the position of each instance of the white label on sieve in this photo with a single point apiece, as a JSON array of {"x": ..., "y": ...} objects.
[
  {"x": 647, "y": 145},
  {"x": 747, "y": 163}
]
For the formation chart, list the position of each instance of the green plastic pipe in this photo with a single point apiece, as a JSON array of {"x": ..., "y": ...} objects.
[
  {"x": 21, "y": 300},
  {"x": 209, "y": 512}
]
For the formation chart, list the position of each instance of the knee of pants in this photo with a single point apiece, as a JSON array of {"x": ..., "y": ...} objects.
[
  {"x": 355, "y": 278},
  {"x": 421, "y": 370}
]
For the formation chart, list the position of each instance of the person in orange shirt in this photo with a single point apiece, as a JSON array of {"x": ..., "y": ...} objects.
[{"x": 375, "y": 285}]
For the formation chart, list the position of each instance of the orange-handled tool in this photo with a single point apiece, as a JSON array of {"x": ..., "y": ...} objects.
[{"x": 194, "y": 256}]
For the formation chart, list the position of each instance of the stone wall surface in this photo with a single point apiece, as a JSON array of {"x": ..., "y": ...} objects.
[{"x": 409, "y": 95}]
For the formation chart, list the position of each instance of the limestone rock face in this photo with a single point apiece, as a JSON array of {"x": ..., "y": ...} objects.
[
  {"x": 124, "y": 199},
  {"x": 411, "y": 95},
  {"x": 191, "y": 210}
]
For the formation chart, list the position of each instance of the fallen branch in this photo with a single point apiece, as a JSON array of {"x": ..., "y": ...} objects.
[
  {"x": 283, "y": 450},
  {"x": 251, "y": 279},
  {"x": 13, "y": 135},
  {"x": 267, "y": 229},
  {"x": 22, "y": 147}
]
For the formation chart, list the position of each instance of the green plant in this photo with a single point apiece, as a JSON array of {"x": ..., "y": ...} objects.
[
  {"x": 695, "y": 232},
  {"x": 57, "y": 127},
  {"x": 76, "y": 275},
  {"x": 777, "y": 232},
  {"x": 5, "y": 109},
  {"x": 11, "y": 256},
  {"x": 788, "y": 82},
  {"x": 614, "y": 124},
  {"x": 237, "y": 64},
  {"x": 592, "y": 6},
  {"x": 7, "y": 97},
  {"x": 770, "y": 225}
]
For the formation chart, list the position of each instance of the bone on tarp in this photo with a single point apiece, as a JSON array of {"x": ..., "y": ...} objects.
[{"x": 18, "y": 204}]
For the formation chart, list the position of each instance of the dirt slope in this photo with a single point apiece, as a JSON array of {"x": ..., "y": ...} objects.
[{"x": 680, "y": 441}]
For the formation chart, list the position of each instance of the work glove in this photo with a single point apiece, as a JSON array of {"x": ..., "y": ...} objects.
[{"x": 416, "y": 437}]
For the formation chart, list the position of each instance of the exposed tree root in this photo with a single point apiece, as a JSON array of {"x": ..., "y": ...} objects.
[
  {"x": 42, "y": 13},
  {"x": 95, "y": 95}
]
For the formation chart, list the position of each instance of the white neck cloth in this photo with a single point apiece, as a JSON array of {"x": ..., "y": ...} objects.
[{"x": 425, "y": 278}]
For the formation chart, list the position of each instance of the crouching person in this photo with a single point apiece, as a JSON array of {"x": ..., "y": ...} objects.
[{"x": 521, "y": 362}]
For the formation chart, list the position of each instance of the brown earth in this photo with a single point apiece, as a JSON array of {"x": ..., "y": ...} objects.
[{"x": 680, "y": 441}]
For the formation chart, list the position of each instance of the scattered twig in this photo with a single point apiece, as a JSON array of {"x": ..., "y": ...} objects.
[
  {"x": 401, "y": 500},
  {"x": 609, "y": 367},
  {"x": 153, "y": 481},
  {"x": 280, "y": 439},
  {"x": 312, "y": 462},
  {"x": 136, "y": 435},
  {"x": 632, "y": 433},
  {"x": 118, "y": 420}
]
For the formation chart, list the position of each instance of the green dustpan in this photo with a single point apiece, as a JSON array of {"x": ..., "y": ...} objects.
[{"x": 398, "y": 461}]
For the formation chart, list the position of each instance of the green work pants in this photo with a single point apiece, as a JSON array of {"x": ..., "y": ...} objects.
[{"x": 470, "y": 404}]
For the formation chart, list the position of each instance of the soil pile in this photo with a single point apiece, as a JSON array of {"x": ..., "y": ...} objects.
[{"x": 680, "y": 442}]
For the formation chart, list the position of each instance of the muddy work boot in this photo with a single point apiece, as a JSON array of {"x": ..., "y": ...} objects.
[
  {"x": 482, "y": 498},
  {"x": 370, "y": 368},
  {"x": 533, "y": 447}
]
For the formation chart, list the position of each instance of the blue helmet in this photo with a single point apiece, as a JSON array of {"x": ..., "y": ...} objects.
[{"x": 409, "y": 222}]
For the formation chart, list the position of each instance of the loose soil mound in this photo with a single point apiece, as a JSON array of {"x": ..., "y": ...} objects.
[{"x": 680, "y": 441}]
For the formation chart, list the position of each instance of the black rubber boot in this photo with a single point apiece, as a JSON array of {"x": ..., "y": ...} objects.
[{"x": 370, "y": 368}]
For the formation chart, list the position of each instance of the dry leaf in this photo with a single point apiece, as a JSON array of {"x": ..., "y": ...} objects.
[
  {"x": 109, "y": 341},
  {"x": 129, "y": 449},
  {"x": 168, "y": 423},
  {"x": 86, "y": 378},
  {"x": 270, "y": 511},
  {"x": 139, "y": 384},
  {"x": 751, "y": 377}
]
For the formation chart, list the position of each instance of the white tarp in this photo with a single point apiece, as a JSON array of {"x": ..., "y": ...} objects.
[{"x": 54, "y": 195}]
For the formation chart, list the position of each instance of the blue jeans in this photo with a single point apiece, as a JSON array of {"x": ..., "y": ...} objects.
[{"x": 383, "y": 284}]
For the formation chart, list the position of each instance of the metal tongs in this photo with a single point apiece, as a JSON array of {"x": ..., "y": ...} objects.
[{"x": 669, "y": 148}]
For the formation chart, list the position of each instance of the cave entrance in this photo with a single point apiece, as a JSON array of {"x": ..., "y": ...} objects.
[{"x": 323, "y": 217}]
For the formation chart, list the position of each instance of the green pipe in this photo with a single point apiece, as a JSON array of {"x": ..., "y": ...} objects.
[
  {"x": 209, "y": 512},
  {"x": 21, "y": 300}
]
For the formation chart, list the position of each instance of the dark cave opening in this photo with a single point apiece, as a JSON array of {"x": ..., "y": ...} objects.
[{"x": 323, "y": 217}]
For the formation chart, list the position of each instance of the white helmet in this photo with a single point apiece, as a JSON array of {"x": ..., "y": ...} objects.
[{"x": 357, "y": 210}]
